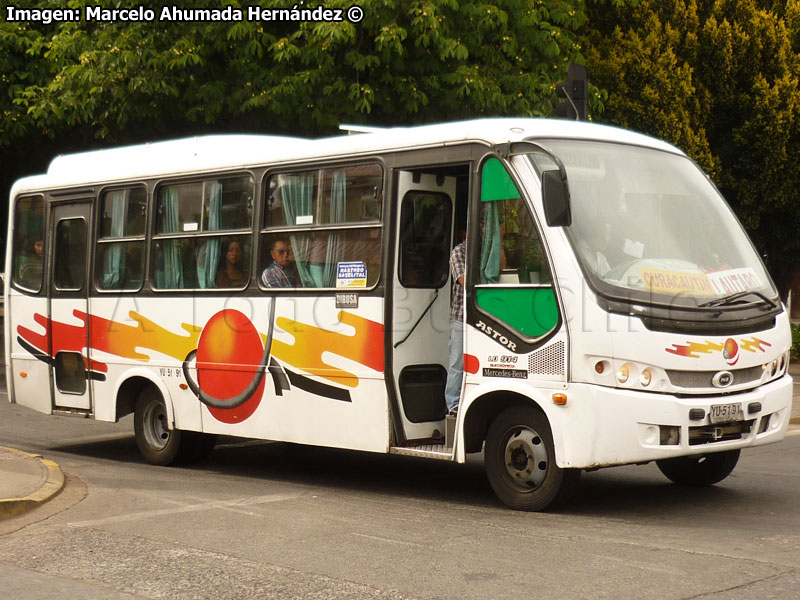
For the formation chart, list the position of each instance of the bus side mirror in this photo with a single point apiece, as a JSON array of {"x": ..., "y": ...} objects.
[{"x": 555, "y": 196}]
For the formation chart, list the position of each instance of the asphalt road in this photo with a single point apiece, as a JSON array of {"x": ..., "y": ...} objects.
[{"x": 265, "y": 520}]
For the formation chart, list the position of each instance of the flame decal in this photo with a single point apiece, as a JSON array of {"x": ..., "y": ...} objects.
[
  {"x": 310, "y": 343},
  {"x": 123, "y": 340},
  {"x": 692, "y": 347},
  {"x": 130, "y": 341},
  {"x": 65, "y": 338},
  {"x": 753, "y": 345}
]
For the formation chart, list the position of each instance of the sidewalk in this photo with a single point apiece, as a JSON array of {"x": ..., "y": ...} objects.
[{"x": 26, "y": 481}]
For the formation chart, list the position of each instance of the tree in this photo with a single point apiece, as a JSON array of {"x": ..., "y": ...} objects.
[
  {"x": 78, "y": 84},
  {"x": 405, "y": 62},
  {"x": 718, "y": 78}
]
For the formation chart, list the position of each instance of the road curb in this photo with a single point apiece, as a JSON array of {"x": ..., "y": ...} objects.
[{"x": 53, "y": 484}]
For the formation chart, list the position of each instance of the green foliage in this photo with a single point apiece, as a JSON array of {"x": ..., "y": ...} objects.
[
  {"x": 76, "y": 85},
  {"x": 719, "y": 79},
  {"x": 795, "y": 351},
  {"x": 406, "y": 62}
]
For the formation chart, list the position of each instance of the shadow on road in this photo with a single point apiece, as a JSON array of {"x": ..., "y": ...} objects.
[{"x": 617, "y": 492}]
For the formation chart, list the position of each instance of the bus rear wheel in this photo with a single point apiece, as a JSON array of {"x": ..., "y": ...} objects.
[
  {"x": 520, "y": 461},
  {"x": 704, "y": 469},
  {"x": 160, "y": 445}
]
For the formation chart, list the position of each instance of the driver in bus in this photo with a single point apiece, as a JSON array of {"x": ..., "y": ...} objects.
[
  {"x": 593, "y": 247},
  {"x": 281, "y": 272}
]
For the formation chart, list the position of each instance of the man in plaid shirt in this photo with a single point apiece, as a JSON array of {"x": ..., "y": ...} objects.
[
  {"x": 452, "y": 392},
  {"x": 280, "y": 273}
]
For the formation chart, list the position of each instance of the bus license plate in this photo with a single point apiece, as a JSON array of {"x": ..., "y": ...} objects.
[{"x": 726, "y": 413}]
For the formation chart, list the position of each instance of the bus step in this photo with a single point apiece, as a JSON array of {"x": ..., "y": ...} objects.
[
  {"x": 437, "y": 451},
  {"x": 73, "y": 412}
]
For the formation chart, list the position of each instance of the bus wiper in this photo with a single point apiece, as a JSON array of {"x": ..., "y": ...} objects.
[{"x": 725, "y": 300}]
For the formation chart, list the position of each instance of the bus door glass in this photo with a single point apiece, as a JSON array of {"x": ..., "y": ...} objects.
[
  {"x": 69, "y": 237},
  {"x": 512, "y": 305},
  {"x": 420, "y": 327}
]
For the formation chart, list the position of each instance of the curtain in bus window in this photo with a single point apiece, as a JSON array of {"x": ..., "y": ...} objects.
[
  {"x": 169, "y": 272},
  {"x": 208, "y": 255},
  {"x": 114, "y": 267},
  {"x": 298, "y": 192},
  {"x": 491, "y": 244},
  {"x": 335, "y": 252}
]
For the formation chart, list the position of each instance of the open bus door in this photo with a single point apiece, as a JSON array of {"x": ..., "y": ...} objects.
[
  {"x": 68, "y": 324},
  {"x": 421, "y": 300}
]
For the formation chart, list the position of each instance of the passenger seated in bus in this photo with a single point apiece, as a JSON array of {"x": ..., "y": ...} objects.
[
  {"x": 281, "y": 272},
  {"x": 231, "y": 272},
  {"x": 29, "y": 264}
]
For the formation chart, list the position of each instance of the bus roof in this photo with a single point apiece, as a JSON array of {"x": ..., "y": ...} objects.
[{"x": 221, "y": 152}]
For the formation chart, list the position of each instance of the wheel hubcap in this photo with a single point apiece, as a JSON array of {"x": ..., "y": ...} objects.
[
  {"x": 156, "y": 431},
  {"x": 526, "y": 458}
]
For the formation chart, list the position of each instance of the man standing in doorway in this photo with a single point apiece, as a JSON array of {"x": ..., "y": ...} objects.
[{"x": 455, "y": 368}]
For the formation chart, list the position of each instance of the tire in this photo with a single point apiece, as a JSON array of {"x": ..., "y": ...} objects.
[
  {"x": 520, "y": 461},
  {"x": 158, "y": 444},
  {"x": 703, "y": 469}
]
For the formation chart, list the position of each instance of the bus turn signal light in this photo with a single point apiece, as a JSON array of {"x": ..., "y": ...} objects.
[
  {"x": 560, "y": 399},
  {"x": 599, "y": 367}
]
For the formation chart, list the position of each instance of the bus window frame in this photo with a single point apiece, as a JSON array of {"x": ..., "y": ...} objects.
[
  {"x": 98, "y": 241},
  {"x": 152, "y": 238},
  {"x": 264, "y": 233},
  {"x": 15, "y": 253}
]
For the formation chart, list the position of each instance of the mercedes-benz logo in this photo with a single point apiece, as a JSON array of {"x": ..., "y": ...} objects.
[{"x": 722, "y": 379}]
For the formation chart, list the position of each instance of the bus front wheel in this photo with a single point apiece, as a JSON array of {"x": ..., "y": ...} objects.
[
  {"x": 699, "y": 470},
  {"x": 520, "y": 461}
]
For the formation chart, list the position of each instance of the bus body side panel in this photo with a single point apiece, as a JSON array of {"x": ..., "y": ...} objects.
[
  {"x": 131, "y": 335},
  {"x": 29, "y": 368},
  {"x": 324, "y": 384},
  {"x": 322, "y": 380}
]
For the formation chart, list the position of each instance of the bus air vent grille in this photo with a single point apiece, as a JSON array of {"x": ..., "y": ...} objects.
[
  {"x": 547, "y": 361},
  {"x": 702, "y": 379}
]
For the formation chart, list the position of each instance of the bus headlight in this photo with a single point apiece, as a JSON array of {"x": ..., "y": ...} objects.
[
  {"x": 623, "y": 373},
  {"x": 646, "y": 377}
]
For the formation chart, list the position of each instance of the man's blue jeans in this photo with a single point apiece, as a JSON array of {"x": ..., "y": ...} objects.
[{"x": 455, "y": 368}]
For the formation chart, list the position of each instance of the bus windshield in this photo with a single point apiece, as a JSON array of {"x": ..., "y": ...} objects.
[{"x": 649, "y": 226}]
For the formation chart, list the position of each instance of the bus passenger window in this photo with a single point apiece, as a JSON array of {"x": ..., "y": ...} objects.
[
  {"x": 322, "y": 259},
  {"x": 333, "y": 221},
  {"x": 120, "y": 243},
  {"x": 200, "y": 241},
  {"x": 28, "y": 243}
]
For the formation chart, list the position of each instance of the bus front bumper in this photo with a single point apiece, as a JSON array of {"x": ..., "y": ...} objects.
[{"x": 602, "y": 426}]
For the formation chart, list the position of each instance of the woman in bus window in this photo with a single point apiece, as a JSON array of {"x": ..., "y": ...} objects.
[{"x": 231, "y": 272}]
